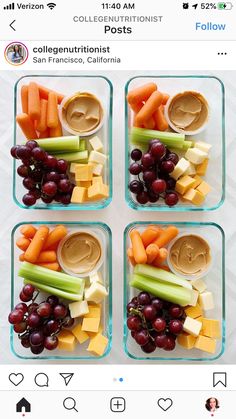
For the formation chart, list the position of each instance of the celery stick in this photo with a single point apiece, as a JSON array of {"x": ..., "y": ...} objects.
[
  {"x": 60, "y": 144},
  {"x": 82, "y": 145},
  {"x": 51, "y": 278},
  {"x": 55, "y": 291},
  {"x": 170, "y": 139},
  {"x": 187, "y": 145},
  {"x": 161, "y": 275},
  {"x": 171, "y": 293},
  {"x": 77, "y": 156}
]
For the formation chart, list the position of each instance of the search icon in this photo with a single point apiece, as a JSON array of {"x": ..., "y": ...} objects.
[{"x": 70, "y": 404}]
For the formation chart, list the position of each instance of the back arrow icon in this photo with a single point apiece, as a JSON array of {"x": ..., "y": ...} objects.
[{"x": 12, "y": 26}]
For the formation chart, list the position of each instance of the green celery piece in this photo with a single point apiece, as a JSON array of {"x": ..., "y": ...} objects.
[
  {"x": 73, "y": 157},
  {"x": 187, "y": 145},
  {"x": 51, "y": 278},
  {"x": 82, "y": 145},
  {"x": 161, "y": 275},
  {"x": 60, "y": 144},
  {"x": 170, "y": 139},
  {"x": 55, "y": 291},
  {"x": 166, "y": 291}
]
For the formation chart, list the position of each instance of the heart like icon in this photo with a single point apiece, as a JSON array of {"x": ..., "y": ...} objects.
[
  {"x": 16, "y": 379},
  {"x": 165, "y": 404}
]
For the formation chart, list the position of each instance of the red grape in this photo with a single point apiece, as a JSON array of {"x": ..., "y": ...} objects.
[
  {"x": 25, "y": 298},
  {"x": 134, "y": 323},
  {"x": 130, "y": 306},
  {"x": 159, "y": 324},
  {"x": 51, "y": 162},
  {"x": 152, "y": 197},
  {"x": 22, "y": 306},
  {"x": 49, "y": 188},
  {"x": 62, "y": 166},
  {"x": 170, "y": 343},
  {"x": 135, "y": 186},
  {"x": 32, "y": 307},
  {"x": 144, "y": 298},
  {"x": 36, "y": 174},
  {"x": 25, "y": 340},
  {"x": 50, "y": 343},
  {"x": 149, "y": 176},
  {"x": 175, "y": 311},
  {"x": 36, "y": 193},
  {"x": 14, "y": 151},
  {"x": 147, "y": 160},
  {"x": 36, "y": 338},
  {"x": 170, "y": 183},
  {"x": 32, "y": 144},
  {"x": 157, "y": 303},
  {"x": 142, "y": 337},
  {"x": 136, "y": 154},
  {"x": 36, "y": 350},
  {"x": 47, "y": 199},
  {"x": 161, "y": 340},
  {"x": 159, "y": 186},
  {"x": 175, "y": 326},
  {"x": 29, "y": 183},
  {"x": 52, "y": 326},
  {"x": 135, "y": 169},
  {"x": 23, "y": 152},
  {"x": 28, "y": 290},
  {"x": 23, "y": 171},
  {"x": 20, "y": 327},
  {"x": 167, "y": 166},
  {"x": 53, "y": 177},
  {"x": 142, "y": 197},
  {"x": 65, "y": 199},
  {"x": 158, "y": 150},
  {"x": 16, "y": 316},
  {"x": 64, "y": 185},
  {"x": 171, "y": 199},
  {"x": 44, "y": 310},
  {"x": 60, "y": 311},
  {"x": 149, "y": 312},
  {"x": 53, "y": 300},
  {"x": 149, "y": 347},
  {"x": 173, "y": 157},
  {"x": 29, "y": 199},
  {"x": 34, "y": 320},
  {"x": 68, "y": 322},
  {"x": 39, "y": 154}
]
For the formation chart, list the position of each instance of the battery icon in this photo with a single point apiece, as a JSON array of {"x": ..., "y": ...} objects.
[{"x": 225, "y": 6}]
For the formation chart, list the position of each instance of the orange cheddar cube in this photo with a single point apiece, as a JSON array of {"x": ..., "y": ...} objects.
[
  {"x": 98, "y": 344},
  {"x": 184, "y": 184},
  {"x": 194, "y": 312},
  {"x": 84, "y": 172},
  {"x": 194, "y": 196},
  {"x": 211, "y": 328},
  {"x": 80, "y": 334},
  {"x": 186, "y": 340},
  {"x": 66, "y": 341},
  {"x": 202, "y": 168},
  {"x": 205, "y": 344},
  {"x": 79, "y": 195},
  {"x": 98, "y": 191},
  {"x": 90, "y": 324}
]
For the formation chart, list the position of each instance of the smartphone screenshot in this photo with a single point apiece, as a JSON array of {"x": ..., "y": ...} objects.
[{"x": 118, "y": 195}]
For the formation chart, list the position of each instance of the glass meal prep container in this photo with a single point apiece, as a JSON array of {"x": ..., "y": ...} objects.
[
  {"x": 103, "y": 233},
  {"x": 212, "y": 89},
  {"x": 99, "y": 86},
  {"x": 215, "y": 281}
]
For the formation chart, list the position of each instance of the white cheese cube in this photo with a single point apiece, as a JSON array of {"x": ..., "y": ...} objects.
[
  {"x": 78, "y": 309},
  {"x": 73, "y": 167},
  {"x": 96, "y": 277},
  {"x": 96, "y": 293},
  {"x": 206, "y": 300},
  {"x": 194, "y": 298},
  {"x": 96, "y": 144},
  {"x": 191, "y": 171},
  {"x": 192, "y": 326},
  {"x": 97, "y": 157},
  {"x": 180, "y": 168},
  {"x": 199, "y": 285},
  {"x": 203, "y": 146},
  {"x": 97, "y": 169},
  {"x": 195, "y": 156}
]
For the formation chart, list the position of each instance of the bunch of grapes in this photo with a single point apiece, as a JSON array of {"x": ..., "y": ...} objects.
[
  {"x": 43, "y": 175},
  {"x": 154, "y": 323},
  {"x": 153, "y": 170},
  {"x": 38, "y": 325}
]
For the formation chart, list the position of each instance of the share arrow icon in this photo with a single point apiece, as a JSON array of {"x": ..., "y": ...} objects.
[{"x": 66, "y": 377}]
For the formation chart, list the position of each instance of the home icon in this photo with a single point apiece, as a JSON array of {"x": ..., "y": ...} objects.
[{"x": 23, "y": 406}]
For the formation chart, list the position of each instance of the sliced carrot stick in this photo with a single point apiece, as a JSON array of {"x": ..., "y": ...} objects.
[
  {"x": 142, "y": 93},
  {"x": 56, "y": 132},
  {"x": 152, "y": 251},
  {"x": 22, "y": 257},
  {"x": 150, "y": 234},
  {"x": 33, "y": 101},
  {"x": 153, "y": 102},
  {"x": 136, "y": 123},
  {"x": 165, "y": 98},
  {"x": 161, "y": 257},
  {"x": 47, "y": 256},
  {"x": 53, "y": 266},
  {"x": 139, "y": 252},
  {"x": 24, "y": 98},
  {"x": 44, "y": 134},
  {"x": 150, "y": 123},
  {"x": 36, "y": 245},
  {"x": 160, "y": 121},
  {"x": 130, "y": 255},
  {"x": 55, "y": 236},
  {"x": 23, "y": 243},
  {"x": 41, "y": 125},
  {"x": 52, "y": 112},
  {"x": 44, "y": 92},
  {"x": 28, "y": 231},
  {"x": 136, "y": 106},
  {"x": 166, "y": 236},
  {"x": 26, "y": 126}
]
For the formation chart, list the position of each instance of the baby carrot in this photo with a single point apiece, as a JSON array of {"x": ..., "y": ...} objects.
[
  {"x": 139, "y": 252},
  {"x": 36, "y": 245},
  {"x": 152, "y": 251},
  {"x": 149, "y": 235},
  {"x": 55, "y": 236},
  {"x": 150, "y": 123},
  {"x": 26, "y": 126},
  {"x": 24, "y": 98},
  {"x": 23, "y": 243},
  {"x": 28, "y": 231},
  {"x": 44, "y": 134},
  {"x": 153, "y": 102},
  {"x": 136, "y": 123},
  {"x": 52, "y": 111},
  {"x": 41, "y": 125},
  {"x": 164, "y": 267},
  {"x": 22, "y": 257},
  {"x": 44, "y": 92},
  {"x": 47, "y": 256},
  {"x": 136, "y": 106},
  {"x": 33, "y": 101},
  {"x": 53, "y": 266},
  {"x": 56, "y": 132},
  {"x": 166, "y": 236},
  {"x": 130, "y": 255},
  {"x": 142, "y": 93},
  {"x": 165, "y": 98},
  {"x": 160, "y": 121},
  {"x": 161, "y": 257}
]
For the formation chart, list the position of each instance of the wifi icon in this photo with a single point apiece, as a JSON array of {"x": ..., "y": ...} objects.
[{"x": 51, "y": 5}]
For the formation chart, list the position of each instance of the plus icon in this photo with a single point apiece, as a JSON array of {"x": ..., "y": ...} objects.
[{"x": 117, "y": 404}]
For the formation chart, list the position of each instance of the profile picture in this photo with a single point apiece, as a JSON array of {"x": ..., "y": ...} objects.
[
  {"x": 16, "y": 53},
  {"x": 212, "y": 404}
]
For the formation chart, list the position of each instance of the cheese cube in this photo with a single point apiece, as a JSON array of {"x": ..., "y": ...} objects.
[
  {"x": 78, "y": 309},
  {"x": 97, "y": 169},
  {"x": 90, "y": 324},
  {"x": 194, "y": 298},
  {"x": 204, "y": 188},
  {"x": 202, "y": 168},
  {"x": 92, "y": 334},
  {"x": 193, "y": 312},
  {"x": 96, "y": 293},
  {"x": 84, "y": 183},
  {"x": 180, "y": 168},
  {"x": 192, "y": 326},
  {"x": 194, "y": 196},
  {"x": 96, "y": 277},
  {"x": 195, "y": 156},
  {"x": 96, "y": 143},
  {"x": 211, "y": 328},
  {"x": 203, "y": 146},
  {"x": 73, "y": 167},
  {"x": 66, "y": 341},
  {"x": 183, "y": 184},
  {"x": 80, "y": 334},
  {"x": 197, "y": 181},
  {"x": 98, "y": 344},
  {"x": 199, "y": 318},
  {"x": 94, "y": 312},
  {"x": 98, "y": 191},
  {"x": 191, "y": 171},
  {"x": 206, "y": 300},
  {"x": 97, "y": 179},
  {"x": 84, "y": 172},
  {"x": 206, "y": 344},
  {"x": 186, "y": 340},
  {"x": 199, "y": 285},
  {"x": 79, "y": 195},
  {"x": 97, "y": 157}
]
